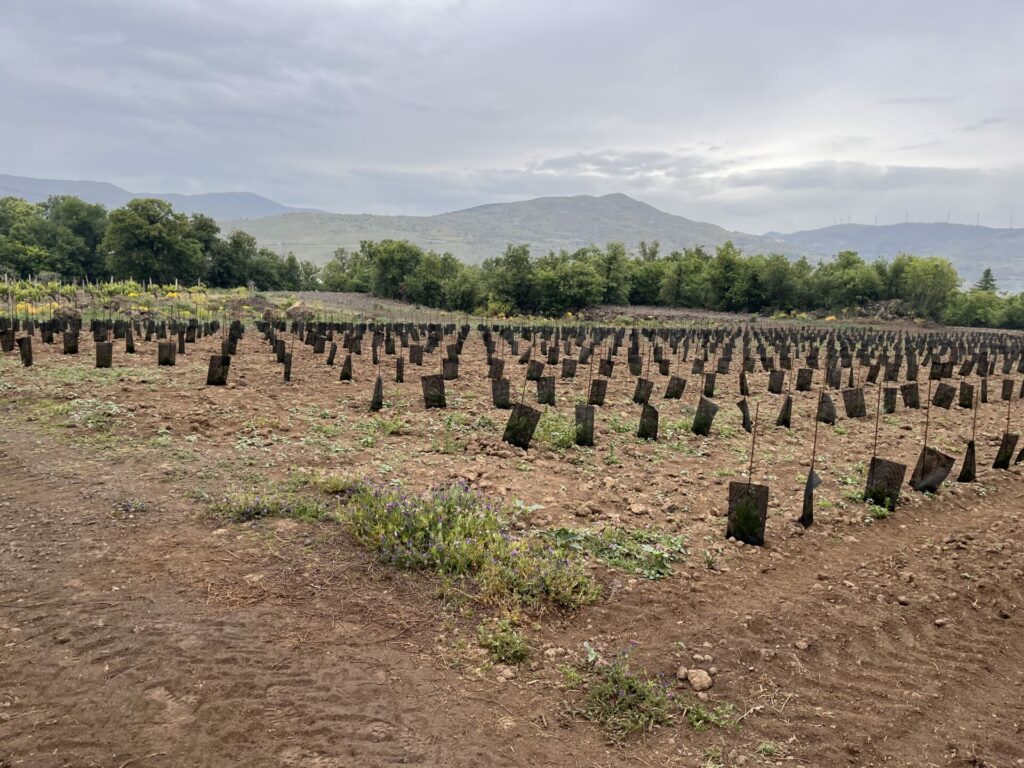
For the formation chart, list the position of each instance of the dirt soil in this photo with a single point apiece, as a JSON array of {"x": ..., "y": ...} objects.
[{"x": 137, "y": 629}]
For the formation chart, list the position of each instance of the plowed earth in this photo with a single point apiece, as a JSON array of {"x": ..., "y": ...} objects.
[{"x": 138, "y": 630}]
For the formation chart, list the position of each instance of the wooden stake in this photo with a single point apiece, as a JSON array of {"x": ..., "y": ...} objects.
[{"x": 878, "y": 413}]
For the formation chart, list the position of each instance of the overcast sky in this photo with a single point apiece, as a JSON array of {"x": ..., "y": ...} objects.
[{"x": 753, "y": 115}]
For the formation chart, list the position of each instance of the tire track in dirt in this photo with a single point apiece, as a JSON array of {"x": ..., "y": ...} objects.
[
  {"x": 109, "y": 658},
  {"x": 879, "y": 680}
]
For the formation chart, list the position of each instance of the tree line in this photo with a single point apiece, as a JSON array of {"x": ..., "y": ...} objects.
[
  {"x": 147, "y": 240},
  {"x": 726, "y": 280}
]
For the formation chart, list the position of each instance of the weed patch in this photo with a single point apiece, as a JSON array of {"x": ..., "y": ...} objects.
[
  {"x": 250, "y": 505},
  {"x": 556, "y": 431},
  {"x": 456, "y": 532},
  {"x": 503, "y": 642},
  {"x": 624, "y": 703},
  {"x": 644, "y": 552}
]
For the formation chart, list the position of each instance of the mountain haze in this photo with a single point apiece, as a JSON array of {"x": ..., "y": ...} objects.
[{"x": 219, "y": 205}]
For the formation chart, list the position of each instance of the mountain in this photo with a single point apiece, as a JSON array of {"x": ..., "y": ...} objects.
[
  {"x": 554, "y": 223},
  {"x": 969, "y": 248},
  {"x": 219, "y": 205},
  {"x": 474, "y": 234}
]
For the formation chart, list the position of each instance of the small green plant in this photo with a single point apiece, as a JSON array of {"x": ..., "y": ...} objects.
[
  {"x": 571, "y": 676},
  {"x": 392, "y": 425},
  {"x": 126, "y": 507},
  {"x": 619, "y": 425},
  {"x": 611, "y": 459},
  {"x": 710, "y": 561},
  {"x": 503, "y": 642},
  {"x": 768, "y": 749},
  {"x": 556, "y": 431},
  {"x": 97, "y": 415},
  {"x": 456, "y": 532},
  {"x": 625, "y": 703},
  {"x": 712, "y": 758},
  {"x": 878, "y": 512},
  {"x": 448, "y": 442},
  {"x": 329, "y": 483},
  {"x": 701, "y": 717}
]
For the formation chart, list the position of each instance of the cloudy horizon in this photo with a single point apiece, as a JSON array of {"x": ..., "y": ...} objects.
[{"x": 754, "y": 117}]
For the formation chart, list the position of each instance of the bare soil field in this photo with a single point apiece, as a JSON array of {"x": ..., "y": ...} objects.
[{"x": 140, "y": 628}]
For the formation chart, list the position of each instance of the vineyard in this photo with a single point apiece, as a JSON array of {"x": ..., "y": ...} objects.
[{"x": 511, "y": 541}]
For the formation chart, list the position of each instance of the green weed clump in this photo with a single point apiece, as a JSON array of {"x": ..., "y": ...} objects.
[
  {"x": 456, "y": 532},
  {"x": 647, "y": 553},
  {"x": 503, "y": 642},
  {"x": 97, "y": 415},
  {"x": 624, "y": 703},
  {"x": 701, "y": 717},
  {"x": 329, "y": 483},
  {"x": 244, "y": 506},
  {"x": 556, "y": 431}
]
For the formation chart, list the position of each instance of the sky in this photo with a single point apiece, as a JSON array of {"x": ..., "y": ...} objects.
[{"x": 757, "y": 116}]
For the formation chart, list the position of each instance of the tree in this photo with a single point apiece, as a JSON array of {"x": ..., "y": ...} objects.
[
  {"x": 425, "y": 284},
  {"x": 728, "y": 278},
  {"x": 976, "y": 308},
  {"x": 510, "y": 279},
  {"x": 86, "y": 223},
  {"x": 649, "y": 252},
  {"x": 612, "y": 264},
  {"x": 931, "y": 285},
  {"x": 291, "y": 274},
  {"x": 391, "y": 261},
  {"x": 231, "y": 263},
  {"x": 645, "y": 281},
  {"x": 778, "y": 278},
  {"x": 310, "y": 276},
  {"x": 147, "y": 240},
  {"x": 264, "y": 271},
  {"x": 987, "y": 281},
  {"x": 672, "y": 292},
  {"x": 846, "y": 281}
]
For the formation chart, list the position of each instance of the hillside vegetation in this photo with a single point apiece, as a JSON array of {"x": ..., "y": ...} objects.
[{"x": 65, "y": 238}]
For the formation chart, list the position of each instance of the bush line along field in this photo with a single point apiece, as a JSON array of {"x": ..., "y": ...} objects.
[
  {"x": 590, "y": 587},
  {"x": 145, "y": 240}
]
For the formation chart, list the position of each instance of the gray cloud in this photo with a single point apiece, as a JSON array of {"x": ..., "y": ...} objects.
[{"x": 757, "y": 117}]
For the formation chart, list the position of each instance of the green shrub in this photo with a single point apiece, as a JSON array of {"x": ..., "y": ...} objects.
[{"x": 530, "y": 573}]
